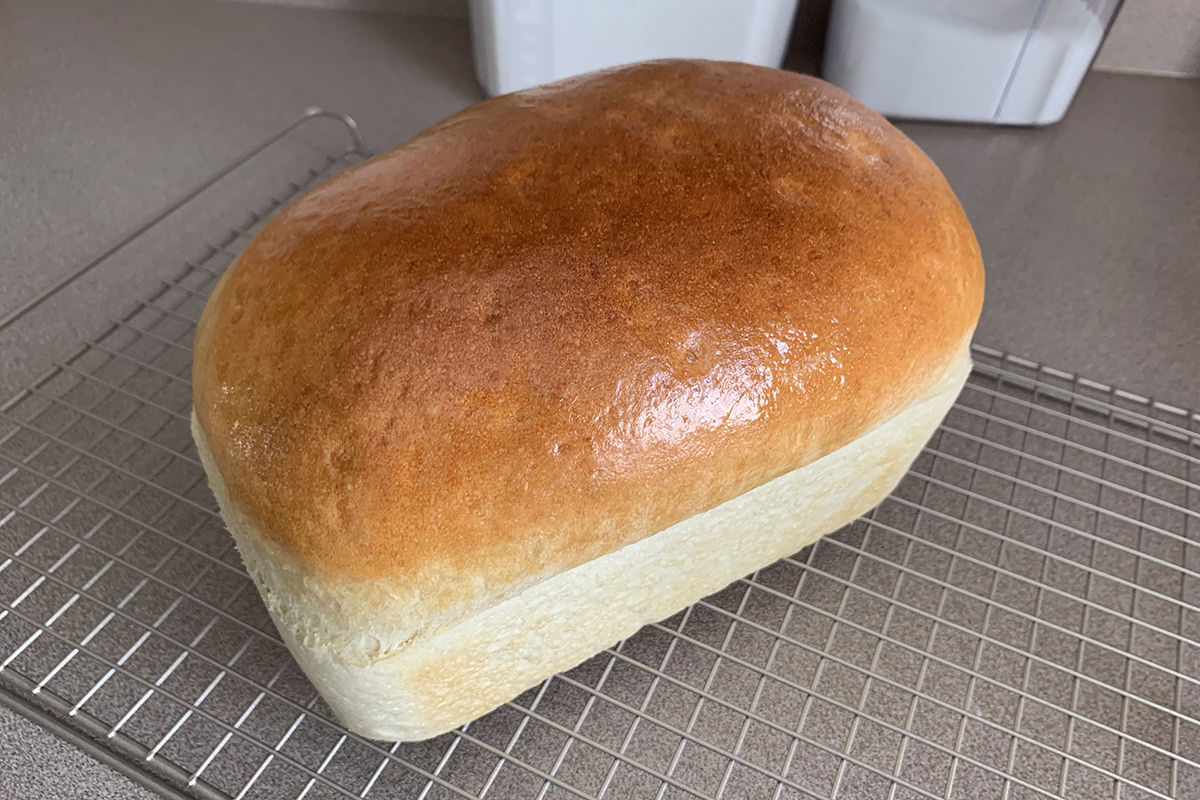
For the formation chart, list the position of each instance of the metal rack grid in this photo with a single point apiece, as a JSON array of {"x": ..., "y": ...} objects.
[{"x": 1018, "y": 620}]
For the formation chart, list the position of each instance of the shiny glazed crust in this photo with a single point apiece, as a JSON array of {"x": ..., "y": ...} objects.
[{"x": 563, "y": 321}]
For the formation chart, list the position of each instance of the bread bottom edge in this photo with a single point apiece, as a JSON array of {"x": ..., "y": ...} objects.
[{"x": 479, "y": 663}]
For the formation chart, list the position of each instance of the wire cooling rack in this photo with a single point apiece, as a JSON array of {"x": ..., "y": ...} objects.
[{"x": 1018, "y": 620}]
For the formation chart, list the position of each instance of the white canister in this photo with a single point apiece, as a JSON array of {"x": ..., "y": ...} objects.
[
  {"x": 1001, "y": 61},
  {"x": 522, "y": 43}
]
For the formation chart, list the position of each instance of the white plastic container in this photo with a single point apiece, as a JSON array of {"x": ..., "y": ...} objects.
[
  {"x": 1003, "y": 61},
  {"x": 521, "y": 43}
]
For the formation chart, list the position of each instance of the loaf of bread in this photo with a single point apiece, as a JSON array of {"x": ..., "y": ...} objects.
[{"x": 567, "y": 362}]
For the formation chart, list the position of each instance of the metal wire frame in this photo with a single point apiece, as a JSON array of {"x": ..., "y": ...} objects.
[{"x": 1025, "y": 492}]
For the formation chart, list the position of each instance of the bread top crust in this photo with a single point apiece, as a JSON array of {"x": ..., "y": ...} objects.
[{"x": 567, "y": 318}]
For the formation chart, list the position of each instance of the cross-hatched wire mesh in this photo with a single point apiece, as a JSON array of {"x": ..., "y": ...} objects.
[{"x": 1017, "y": 620}]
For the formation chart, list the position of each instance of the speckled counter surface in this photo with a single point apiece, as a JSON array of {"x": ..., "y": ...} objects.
[{"x": 1090, "y": 229}]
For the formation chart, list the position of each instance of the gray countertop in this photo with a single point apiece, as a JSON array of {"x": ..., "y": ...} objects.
[{"x": 1090, "y": 229}]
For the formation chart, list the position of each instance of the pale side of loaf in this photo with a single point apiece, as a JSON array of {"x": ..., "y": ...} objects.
[
  {"x": 441, "y": 681},
  {"x": 567, "y": 361}
]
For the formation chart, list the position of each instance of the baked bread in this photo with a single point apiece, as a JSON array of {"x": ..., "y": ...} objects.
[{"x": 565, "y": 363}]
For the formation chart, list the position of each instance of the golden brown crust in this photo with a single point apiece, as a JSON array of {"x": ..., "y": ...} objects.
[{"x": 565, "y": 319}]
